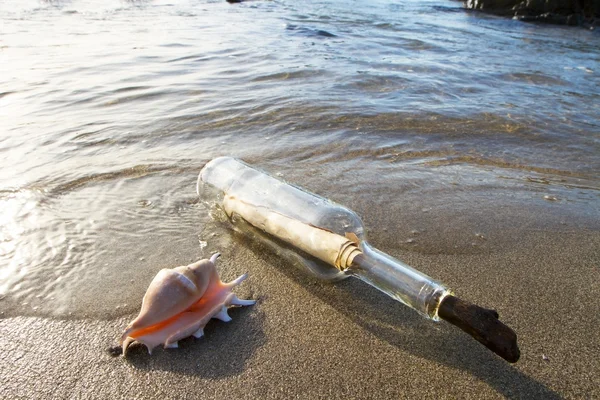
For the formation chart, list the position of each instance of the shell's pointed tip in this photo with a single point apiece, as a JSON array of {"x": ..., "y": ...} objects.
[
  {"x": 213, "y": 258},
  {"x": 126, "y": 342}
]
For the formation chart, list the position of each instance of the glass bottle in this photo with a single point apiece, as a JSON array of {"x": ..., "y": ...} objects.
[{"x": 327, "y": 240}]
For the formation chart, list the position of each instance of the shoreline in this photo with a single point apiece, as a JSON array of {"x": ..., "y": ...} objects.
[{"x": 309, "y": 339}]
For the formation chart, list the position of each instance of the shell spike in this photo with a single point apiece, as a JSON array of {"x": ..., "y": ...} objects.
[
  {"x": 222, "y": 315},
  {"x": 235, "y": 301},
  {"x": 199, "y": 333},
  {"x": 237, "y": 281},
  {"x": 213, "y": 258}
]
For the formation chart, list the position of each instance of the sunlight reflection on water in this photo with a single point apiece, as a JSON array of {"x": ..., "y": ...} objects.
[{"x": 108, "y": 110}]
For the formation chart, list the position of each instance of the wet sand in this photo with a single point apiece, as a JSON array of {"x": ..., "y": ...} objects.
[{"x": 306, "y": 339}]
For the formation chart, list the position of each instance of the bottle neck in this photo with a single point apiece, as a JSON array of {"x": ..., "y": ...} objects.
[{"x": 399, "y": 281}]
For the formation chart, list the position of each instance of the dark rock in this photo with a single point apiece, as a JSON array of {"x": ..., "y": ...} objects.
[
  {"x": 564, "y": 12},
  {"x": 115, "y": 350}
]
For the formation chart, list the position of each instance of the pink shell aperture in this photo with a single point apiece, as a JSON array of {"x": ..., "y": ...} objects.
[{"x": 179, "y": 302}]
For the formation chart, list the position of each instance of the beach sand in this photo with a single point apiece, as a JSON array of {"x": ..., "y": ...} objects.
[{"x": 307, "y": 339}]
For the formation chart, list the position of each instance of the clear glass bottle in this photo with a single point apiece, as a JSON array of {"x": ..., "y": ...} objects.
[
  {"x": 328, "y": 240},
  {"x": 308, "y": 214}
]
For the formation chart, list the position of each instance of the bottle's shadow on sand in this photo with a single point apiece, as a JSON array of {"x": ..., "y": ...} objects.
[
  {"x": 222, "y": 352},
  {"x": 408, "y": 331}
]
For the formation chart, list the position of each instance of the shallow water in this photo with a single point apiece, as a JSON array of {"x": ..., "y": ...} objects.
[{"x": 108, "y": 110}]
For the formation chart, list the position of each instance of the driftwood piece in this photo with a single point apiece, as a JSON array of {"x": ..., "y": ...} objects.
[{"x": 483, "y": 325}]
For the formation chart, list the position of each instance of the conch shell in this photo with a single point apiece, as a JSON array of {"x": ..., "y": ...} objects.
[{"x": 179, "y": 302}]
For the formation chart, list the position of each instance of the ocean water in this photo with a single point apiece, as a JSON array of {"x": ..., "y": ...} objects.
[{"x": 109, "y": 109}]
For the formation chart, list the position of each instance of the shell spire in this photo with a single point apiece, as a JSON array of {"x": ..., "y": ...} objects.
[{"x": 179, "y": 303}]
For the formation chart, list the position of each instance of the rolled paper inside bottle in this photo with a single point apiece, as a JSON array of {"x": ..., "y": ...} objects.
[{"x": 323, "y": 244}]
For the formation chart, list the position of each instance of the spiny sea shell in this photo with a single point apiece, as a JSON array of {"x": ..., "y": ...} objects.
[{"x": 179, "y": 302}]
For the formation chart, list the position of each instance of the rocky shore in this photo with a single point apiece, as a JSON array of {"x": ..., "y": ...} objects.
[{"x": 565, "y": 12}]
